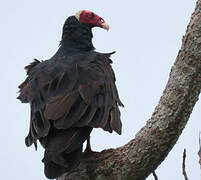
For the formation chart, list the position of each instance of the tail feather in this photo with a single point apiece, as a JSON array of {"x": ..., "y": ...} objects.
[
  {"x": 67, "y": 162},
  {"x": 63, "y": 150}
]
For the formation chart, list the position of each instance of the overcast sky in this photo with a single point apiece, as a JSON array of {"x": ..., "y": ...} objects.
[{"x": 146, "y": 35}]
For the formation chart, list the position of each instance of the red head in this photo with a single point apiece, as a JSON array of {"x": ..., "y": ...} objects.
[{"x": 91, "y": 19}]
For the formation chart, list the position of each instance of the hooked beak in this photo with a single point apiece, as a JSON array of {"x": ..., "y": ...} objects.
[{"x": 105, "y": 26}]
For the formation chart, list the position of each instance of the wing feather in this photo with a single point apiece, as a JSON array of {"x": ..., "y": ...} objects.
[
  {"x": 86, "y": 118},
  {"x": 105, "y": 117},
  {"x": 72, "y": 92},
  {"x": 115, "y": 122},
  {"x": 60, "y": 105},
  {"x": 72, "y": 116}
]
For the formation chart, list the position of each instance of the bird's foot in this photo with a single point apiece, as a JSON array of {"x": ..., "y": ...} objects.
[{"x": 88, "y": 149}]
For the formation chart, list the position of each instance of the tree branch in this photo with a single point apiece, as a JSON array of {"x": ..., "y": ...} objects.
[
  {"x": 142, "y": 155},
  {"x": 199, "y": 152},
  {"x": 155, "y": 175},
  {"x": 184, "y": 165}
]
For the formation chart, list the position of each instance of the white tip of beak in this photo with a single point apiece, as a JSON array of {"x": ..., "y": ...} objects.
[
  {"x": 105, "y": 26},
  {"x": 77, "y": 15}
]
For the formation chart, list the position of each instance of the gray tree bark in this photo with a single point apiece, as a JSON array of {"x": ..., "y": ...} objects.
[{"x": 142, "y": 155}]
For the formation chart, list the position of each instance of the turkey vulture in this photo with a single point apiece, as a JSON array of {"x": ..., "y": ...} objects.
[{"x": 70, "y": 94}]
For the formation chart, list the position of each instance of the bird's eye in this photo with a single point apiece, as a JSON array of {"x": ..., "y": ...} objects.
[
  {"x": 92, "y": 15},
  {"x": 86, "y": 15}
]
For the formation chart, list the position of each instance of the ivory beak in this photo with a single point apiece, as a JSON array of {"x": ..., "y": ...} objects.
[{"x": 105, "y": 26}]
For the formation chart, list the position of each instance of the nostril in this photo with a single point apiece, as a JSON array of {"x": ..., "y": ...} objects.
[{"x": 101, "y": 20}]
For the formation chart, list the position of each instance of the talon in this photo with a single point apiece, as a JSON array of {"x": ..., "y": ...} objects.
[{"x": 88, "y": 149}]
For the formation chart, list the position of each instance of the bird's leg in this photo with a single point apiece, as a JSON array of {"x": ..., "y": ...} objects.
[{"x": 88, "y": 147}]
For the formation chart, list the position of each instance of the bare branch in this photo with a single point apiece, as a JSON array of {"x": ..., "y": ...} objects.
[
  {"x": 199, "y": 152},
  {"x": 184, "y": 165},
  {"x": 155, "y": 175}
]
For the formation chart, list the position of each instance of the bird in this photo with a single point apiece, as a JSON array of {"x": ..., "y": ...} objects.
[{"x": 70, "y": 94}]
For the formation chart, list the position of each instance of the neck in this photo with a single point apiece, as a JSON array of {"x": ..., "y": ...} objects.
[{"x": 77, "y": 36}]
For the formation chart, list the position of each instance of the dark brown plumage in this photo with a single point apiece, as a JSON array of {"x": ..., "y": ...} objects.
[{"x": 70, "y": 94}]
